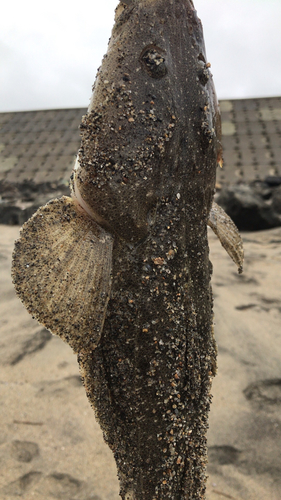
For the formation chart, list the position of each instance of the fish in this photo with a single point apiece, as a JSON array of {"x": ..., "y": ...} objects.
[{"x": 120, "y": 269}]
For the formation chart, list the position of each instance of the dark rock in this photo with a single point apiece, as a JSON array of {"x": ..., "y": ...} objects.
[
  {"x": 276, "y": 200},
  {"x": 273, "y": 180},
  {"x": 11, "y": 215},
  {"x": 18, "y": 202},
  {"x": 249, "y": 206},
  {"x": 261, "y": 189}
]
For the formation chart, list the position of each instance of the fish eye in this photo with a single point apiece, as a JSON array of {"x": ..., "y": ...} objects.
[{"x": 153, "y": 61}]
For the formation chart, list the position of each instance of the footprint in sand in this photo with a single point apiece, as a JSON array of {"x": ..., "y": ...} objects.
[
  {"x": 35, "y": 343},
  {"x": 264, "y": 392},
  {"x": 61, "y": 486},
  {"x": 223, "y": 455},
  {"x": 57, "y": 485},
  {"x": 59, "y": 387},
  {"x": 23, "y": 484},
  {"x": 24, "y": 451}
]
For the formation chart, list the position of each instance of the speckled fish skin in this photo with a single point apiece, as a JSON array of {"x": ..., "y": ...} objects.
[
  {"x": 153, "y": 128},
  {"x": 147, "y": 163}
]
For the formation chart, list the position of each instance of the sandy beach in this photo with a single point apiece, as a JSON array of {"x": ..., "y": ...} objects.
[{"x": 50, "y": 444}]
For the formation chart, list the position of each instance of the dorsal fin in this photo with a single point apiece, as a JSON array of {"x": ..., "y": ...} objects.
[
  {"x": 62, "y": 272},
  {"x": 228, "y": 234}
]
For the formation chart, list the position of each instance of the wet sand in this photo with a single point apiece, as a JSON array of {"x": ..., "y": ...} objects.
[{"x": 50, "y": 444}]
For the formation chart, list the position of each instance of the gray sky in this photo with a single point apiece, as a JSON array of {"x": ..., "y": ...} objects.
[{"x": 50, "y": 50}]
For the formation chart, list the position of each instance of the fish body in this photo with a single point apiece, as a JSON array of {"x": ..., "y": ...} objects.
[
  {"x": 150, "y": 146},
  {"x": 138, "y": 312}
]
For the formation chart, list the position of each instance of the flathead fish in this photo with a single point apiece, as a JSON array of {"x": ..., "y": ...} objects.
[{"x": 120, "y": 270}]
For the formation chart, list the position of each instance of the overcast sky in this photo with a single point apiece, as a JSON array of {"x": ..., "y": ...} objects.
[{"x": 50, "y": 50}]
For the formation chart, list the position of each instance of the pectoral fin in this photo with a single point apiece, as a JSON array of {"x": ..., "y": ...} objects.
[
  {"x": 228, "y": 234},
  {"x": 62, "y": 272}
]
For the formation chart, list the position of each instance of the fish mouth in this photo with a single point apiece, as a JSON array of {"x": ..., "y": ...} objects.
[{"x": 122, "y": 12}]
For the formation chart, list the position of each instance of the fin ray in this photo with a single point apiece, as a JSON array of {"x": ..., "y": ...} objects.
[
  {"x": 228, "y": 234},
  {"x": 62, "y": 272}
]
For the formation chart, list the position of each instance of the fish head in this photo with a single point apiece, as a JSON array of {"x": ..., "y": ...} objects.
[{"x": 153, "y": 125}]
